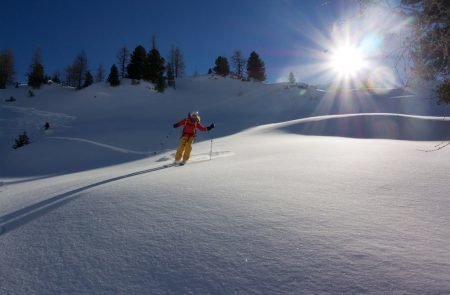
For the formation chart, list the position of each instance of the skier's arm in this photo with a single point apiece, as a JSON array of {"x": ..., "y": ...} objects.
[
  {"x": 203, "y": 128},
  {"x": 182, "y": 122}
]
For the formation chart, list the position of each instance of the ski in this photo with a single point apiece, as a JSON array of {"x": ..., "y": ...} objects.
[{"x": 170, "y": 165}]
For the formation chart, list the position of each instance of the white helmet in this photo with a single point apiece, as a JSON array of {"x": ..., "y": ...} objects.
[{"x": 195, "y": 115}]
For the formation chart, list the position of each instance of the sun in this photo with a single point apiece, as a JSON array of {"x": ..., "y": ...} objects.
[{"x": 347, "y": 61}]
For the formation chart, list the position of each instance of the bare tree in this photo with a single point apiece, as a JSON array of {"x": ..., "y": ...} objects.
[
  {"x": 76, "y": 72},
  {"x": 80, "y": 67},
  {"x": 425, "y": 49},
  {"x": 430, "y": 47},
  {"x": 177, "y": 61},
  {"x": 6, "y": 68},
  {"x": 238, "y": 63},
  {"x": 123, "y": 58},
  {"x": 70, "y": 76},
  {"x": 100, "y": 75}
]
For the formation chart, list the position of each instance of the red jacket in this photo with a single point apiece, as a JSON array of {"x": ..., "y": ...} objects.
[{"x": 190, "y": 126}]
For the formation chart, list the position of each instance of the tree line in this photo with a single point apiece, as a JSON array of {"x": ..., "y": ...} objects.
[
  {"x": 254, "y": 65},
  {"x": 137, "y": 65}
]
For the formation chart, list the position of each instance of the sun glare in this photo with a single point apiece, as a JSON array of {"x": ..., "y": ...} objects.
[
  {"x": 347, "y": 61},
  {"x": 353, "y": 52}
]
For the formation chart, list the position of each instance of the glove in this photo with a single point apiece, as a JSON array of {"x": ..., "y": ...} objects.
[
  {"x": 175, "y": 125},
  {"x": 210, "y": 126}
]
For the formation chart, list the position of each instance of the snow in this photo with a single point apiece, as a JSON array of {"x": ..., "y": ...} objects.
[{"x": 316, "y": 192}]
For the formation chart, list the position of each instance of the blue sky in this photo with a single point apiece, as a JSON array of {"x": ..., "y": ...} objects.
[{"x": 285, "y": 33}]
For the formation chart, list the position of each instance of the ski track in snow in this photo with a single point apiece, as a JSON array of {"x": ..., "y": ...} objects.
[
  {"x": 32, "y": 121},
  {"x": 107, "y": 146},
  {"x": 22, "y": 216}
]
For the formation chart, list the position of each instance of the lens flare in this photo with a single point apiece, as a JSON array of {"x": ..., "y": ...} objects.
[
  {"x": 371, "y": 42},
  {"x": 347, "y": 61},
  {"x": 352, "y": 53}
]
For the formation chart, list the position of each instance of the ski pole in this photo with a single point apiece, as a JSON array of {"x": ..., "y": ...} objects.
[
  {"x": 210, "y": 150},
  {"x": 165, "y": 141}
]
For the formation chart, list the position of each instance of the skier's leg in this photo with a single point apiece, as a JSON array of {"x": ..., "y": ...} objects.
[
  {"x": 180, "y": 149},
  {"x": 188, "y": 148}
]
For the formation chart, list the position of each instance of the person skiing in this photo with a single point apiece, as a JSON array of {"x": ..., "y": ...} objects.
[{"x": 191, "y": 124}]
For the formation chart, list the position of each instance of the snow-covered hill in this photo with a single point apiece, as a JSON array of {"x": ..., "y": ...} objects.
[
  {"x": 100, "y": 125},
  {"x": 300, "y": 192}
]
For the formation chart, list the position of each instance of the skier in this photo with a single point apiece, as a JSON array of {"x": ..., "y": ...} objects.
[{"x": 191, "y": 124}]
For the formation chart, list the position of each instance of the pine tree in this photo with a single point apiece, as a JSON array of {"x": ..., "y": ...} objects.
[
  {"x": 135, "y": 68},
  {"x": 21, "y": 140},
  {"x": 255, "y": 68},
  {"x": 155, "y": 68},
  {"x": 222, "y": 67},
  {"x": 88, "y": 79},
  {"x": 291, "y": 78},
  {"x": 113, "y": 77},
  {"x": 36, "y": 77}
]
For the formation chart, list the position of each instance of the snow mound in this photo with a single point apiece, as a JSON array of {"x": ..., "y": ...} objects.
[{"x": 385, "y": 126}]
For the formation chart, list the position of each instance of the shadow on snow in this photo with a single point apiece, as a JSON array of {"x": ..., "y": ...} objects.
[{"x": 22, "y": 216}]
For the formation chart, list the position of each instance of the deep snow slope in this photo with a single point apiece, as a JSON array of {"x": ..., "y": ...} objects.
[{"x": 272, "y": 212}]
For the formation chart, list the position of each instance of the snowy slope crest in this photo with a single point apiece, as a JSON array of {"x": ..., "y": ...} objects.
[{"x": 101, "y": 125}]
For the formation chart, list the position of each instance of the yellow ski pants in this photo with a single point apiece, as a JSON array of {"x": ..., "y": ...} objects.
[{"x": 185, "y": 148}]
